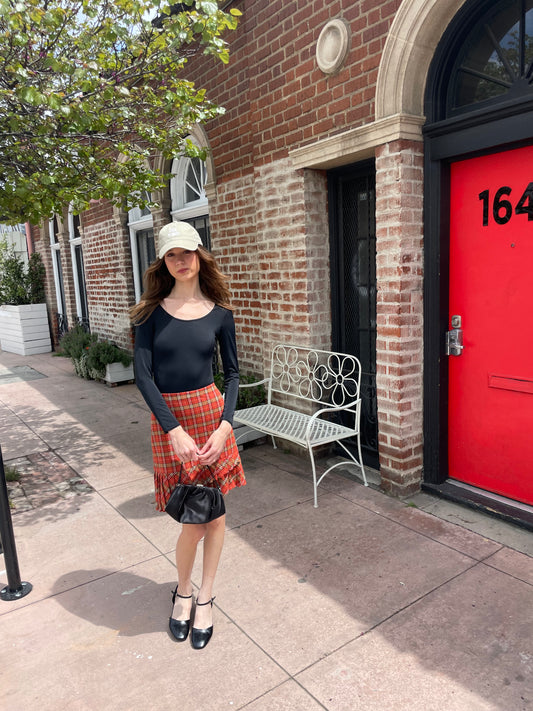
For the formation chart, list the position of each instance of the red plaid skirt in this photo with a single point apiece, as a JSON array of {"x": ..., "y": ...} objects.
[{"x": 199, "y": 413}]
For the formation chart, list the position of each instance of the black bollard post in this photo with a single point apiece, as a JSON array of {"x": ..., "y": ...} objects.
[{"x": 15, "y": 588}]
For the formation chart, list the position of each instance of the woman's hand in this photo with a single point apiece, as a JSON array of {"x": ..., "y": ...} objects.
[
  {"x": 183, "y": 444},
  {"x": 212, "y": 449}
]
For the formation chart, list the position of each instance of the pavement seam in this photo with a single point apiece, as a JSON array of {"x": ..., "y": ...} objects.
[
  {"x": 25, "y": 602},
  {"x": 428, "y": 537},
  {"x": 290, "y": 677},
  {"x": 47, "y": 448},
  {"x": 268, "y": 515},
  {"x": 131, "y": 524},
  {"x": 392, "y": 616},
  {"x": 327, "y": 490},
  {"x": 116, "y": 486},
  {"x": 277, "y": 686},
  {"x": 505, "y": 572}
]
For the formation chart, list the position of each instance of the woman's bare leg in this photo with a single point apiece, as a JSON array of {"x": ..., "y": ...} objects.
[
  {"x": 213, "y": 542},
  {"x": 190, "y": 536}
]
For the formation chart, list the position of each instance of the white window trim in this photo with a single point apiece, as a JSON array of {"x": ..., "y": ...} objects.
[
  {"x": 56, "y": 254},
  {"x": 145, "y": 223},
  {"x": 74, "y": 242},
  {"x": 194, "y": 208},
  {"x": 188, "y": 213}
]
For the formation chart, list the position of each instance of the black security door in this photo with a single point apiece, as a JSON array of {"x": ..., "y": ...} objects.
[
  {"x": 83, "y": 316},
  {"x": 352, "y": 195}
]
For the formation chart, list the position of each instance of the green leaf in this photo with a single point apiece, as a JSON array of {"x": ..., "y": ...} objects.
[
  {"x": 54, "y": 101},
  {"x": 210, "y": 8},
  {"x": 28, "y": 94}
]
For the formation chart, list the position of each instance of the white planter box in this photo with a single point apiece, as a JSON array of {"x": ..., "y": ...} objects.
[
  {"x": 118, "y": 373},
  {"x": 24, "y": 329}
]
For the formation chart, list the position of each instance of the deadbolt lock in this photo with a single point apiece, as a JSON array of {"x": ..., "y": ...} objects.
[{"x": 454, "y": 337}]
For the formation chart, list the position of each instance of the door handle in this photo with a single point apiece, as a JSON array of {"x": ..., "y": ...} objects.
[{"x": 454, "y": 338}]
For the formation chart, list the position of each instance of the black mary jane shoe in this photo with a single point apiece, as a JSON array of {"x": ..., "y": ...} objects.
[
  {"x": 200, "y": 638},
  {"x": 179, "y": 628}
]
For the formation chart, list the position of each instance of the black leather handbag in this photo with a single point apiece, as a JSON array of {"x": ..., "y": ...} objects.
[{"x": 195, "y": 503}]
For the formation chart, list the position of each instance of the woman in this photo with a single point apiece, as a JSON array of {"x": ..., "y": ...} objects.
[{"x": 183, "y": 313}]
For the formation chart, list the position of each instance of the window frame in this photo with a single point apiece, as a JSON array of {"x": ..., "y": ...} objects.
[
  {"x": 138, "y": 221},
  {"x": 181, "y": 209},
  {"x": 55, "y": 249},
  {"x": 75, "y": 241}
]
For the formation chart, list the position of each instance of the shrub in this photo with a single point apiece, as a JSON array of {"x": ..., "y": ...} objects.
[
  {"x": 102, "y": 353},
  {"x": 82, "y": 370},
  {"x": 90, "y": 355},
  {"x": 35, "y": 279},
  {"x": 75, "y": 342},
  {"x": 12, "y": 277},
  {"x": 18, "y": 284},
  {"x": 248, "y": 397}
]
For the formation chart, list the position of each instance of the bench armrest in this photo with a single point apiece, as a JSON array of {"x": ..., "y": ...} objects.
[
  {"x": 353, "y": 405},
  {"x": 253, "y": 385},
  {"x": 347, "y": 406}
]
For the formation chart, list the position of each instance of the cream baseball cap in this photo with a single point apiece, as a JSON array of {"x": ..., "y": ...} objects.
[{"x": 178, "y": 235}]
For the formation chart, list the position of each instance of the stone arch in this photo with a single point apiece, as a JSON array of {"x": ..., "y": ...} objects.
[
  {"x": 200, "y": 137},
  {"x": 413, "y": 37}
]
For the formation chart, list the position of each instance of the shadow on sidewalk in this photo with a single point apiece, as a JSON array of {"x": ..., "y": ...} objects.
[{"x": 127, "y": 603}]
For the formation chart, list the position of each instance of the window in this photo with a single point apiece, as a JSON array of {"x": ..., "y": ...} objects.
[
  {"x": 187, "y": 188},
  {"x": 142, "y": 244},
  {"x": 78, "y": 269},
  {"x": 55, "y": 247},
  {"x": 495, "y": 62},
  {"x": 187, "y": 191}
]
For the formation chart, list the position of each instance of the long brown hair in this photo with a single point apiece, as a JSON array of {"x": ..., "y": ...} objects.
[{"x": 158, "y": 283}]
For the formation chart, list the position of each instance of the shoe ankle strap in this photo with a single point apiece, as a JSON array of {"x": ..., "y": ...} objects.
[{"x": 201, "y": 604}]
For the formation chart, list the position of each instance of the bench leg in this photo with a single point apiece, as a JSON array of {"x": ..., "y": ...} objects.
[
  {"x": 360, "y": 462},
  {"x": 339, "y": 464},
  {"x": 315, "y": 483}
]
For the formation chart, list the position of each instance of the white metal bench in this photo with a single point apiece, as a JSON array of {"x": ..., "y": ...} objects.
[{"x": 323, "y": 379}]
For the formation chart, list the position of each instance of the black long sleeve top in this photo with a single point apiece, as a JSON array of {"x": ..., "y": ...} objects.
[{"x": 174, "y": 355}]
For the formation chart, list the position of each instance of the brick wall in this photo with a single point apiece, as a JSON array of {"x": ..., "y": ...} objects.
[
  {"x": 292, "y": 101},
  {"x": 276, "y": 97},
  {"x": 108, "y": 272},
  {"x": 318, "y": 292},
  {"x": 41, "y": 244},
  {"x": 399, "y": 313},
  {"x": 292, "y": 252},
  {"x": 270, "y": 236},
  {"x": 232, "y": 218}
]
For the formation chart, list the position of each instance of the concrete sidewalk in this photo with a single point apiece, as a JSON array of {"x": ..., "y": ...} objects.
[{"x": 364, "y": 603}]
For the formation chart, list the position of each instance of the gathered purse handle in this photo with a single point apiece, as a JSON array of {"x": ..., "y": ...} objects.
[{"x": 206, "y": 467}]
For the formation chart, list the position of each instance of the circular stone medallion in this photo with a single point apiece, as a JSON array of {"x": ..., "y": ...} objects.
[{"x": 332, "y": 46}]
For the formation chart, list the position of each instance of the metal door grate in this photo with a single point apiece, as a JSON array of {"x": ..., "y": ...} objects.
[{"x": 352, "y": 198}]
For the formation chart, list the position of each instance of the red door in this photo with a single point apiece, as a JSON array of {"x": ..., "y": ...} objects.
[{"x": 490, "y": 427}]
